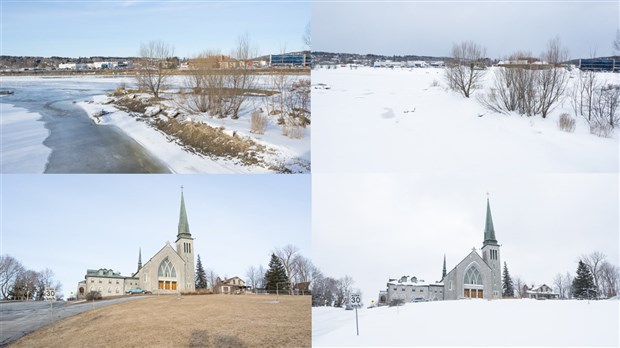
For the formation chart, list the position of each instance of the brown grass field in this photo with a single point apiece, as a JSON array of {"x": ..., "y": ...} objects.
[{"x": 189, "y": 321}]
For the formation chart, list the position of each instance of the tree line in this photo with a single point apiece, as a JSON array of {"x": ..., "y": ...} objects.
[
  {"x": 594, "y": 278},
  {"x": 20, "y": 283},
  {"x": 288, "y": 272}
]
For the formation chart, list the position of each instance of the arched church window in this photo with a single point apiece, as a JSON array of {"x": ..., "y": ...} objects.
[
  {"x": 472, "y": 276},
  {"x": 166, "y": 269}
]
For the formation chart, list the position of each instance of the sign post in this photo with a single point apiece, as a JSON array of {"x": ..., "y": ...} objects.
[
  {"x": 355, "y": 300},
  {"x": 49, "y": 294}
]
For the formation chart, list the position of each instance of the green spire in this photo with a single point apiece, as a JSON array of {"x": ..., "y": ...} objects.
[
  {"x": 489, "y": 231},
  {"x": 183, "y": 225}
]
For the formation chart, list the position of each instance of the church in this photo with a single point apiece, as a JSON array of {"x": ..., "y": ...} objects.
[
  {"x": 476, "y": 276},
  {"x": 170, "y": 270}
]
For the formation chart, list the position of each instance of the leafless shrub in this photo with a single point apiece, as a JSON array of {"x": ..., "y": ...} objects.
[
  {"x": 435, "y": 83},
  {"x": 529, "y": 91},
  {"x": 466, "y": 70},
  {"x": 606, "y": 105},
  {"x": 258, "y": 123},
  {"x": 154, "y": 67},
  {"x": 566, "y": 123}
]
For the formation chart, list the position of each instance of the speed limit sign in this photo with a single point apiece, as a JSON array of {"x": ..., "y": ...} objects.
[
  {"x": 355, "y": 300},
  {"x": 49, "y": 294}
]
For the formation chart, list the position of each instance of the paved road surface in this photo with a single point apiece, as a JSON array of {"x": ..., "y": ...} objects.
[{"x": 20, "y": 318}]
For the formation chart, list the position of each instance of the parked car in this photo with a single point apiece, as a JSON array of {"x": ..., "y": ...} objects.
[{"x": 136, "y": 291}]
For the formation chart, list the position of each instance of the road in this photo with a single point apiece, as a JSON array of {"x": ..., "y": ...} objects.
[{"x": 19, "y": 318}]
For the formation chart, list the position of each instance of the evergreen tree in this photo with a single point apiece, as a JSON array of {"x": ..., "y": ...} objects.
[
  {"x": 583, "y": 284},
  {"x": 201, "y": 276},
  {"x": 275, "y": 277},
  {"x": 508, "y": 288}
]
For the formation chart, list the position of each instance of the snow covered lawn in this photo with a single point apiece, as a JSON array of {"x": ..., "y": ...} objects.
[
  {"x": 472, "y": 323},
  {"x": 22, "y": 140},
  {"x": 371, "y": 120}
]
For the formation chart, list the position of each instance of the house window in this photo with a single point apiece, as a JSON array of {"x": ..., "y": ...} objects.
[
  {"x": 109, "y": 290},
  {"x": 403, "y": 289},
  {"x": 117, "y": 282},
  {"x": 109, "y": 282},
  {"x": 450, "y": 288},
  {"x": 92, "y": 280},
  {"x": 117, "y": 290},
  {"x": 99, "y": 281}
]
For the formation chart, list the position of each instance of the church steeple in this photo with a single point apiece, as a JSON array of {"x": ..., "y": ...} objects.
[
  {"x": 183, "y": 225},
  {"x": 443, "y": 273},
  {"x": 489, "y": 230}
]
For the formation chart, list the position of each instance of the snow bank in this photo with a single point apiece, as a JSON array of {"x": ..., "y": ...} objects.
[
  {"x": 176, "y": 158},
  {"x": 472, "y": 323},
  {"x": 387, "y": 120},
  {"x": 22, "y": 139}
]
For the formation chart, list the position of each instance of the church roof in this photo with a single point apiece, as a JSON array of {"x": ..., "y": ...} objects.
[
  {"x": 489, "y": 230},
  {"x": 183, "y": 225}
]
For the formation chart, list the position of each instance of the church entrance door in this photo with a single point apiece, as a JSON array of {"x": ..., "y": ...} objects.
[
  {"x": 466, "y": 292},
  {"x": 480, "y": 294}
]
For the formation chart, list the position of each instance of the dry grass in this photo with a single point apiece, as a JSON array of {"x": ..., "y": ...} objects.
[
  {"x": 191, "y": 321},
  {"x": 211, "y": 141}
]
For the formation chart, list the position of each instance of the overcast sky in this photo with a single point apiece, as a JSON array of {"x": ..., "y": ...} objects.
[
  {"x": 116, "y": 28},
  {"x": 431, "y": 27},
  {"x": 376, "y": 226},
  {"x": 71, "y": 223}
]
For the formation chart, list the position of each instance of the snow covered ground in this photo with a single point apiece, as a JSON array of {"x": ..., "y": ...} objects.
[
  {"x": 472, "y": 323},
  {"x": 407, "y": 120},
  {"x": 22, "y": 136}
]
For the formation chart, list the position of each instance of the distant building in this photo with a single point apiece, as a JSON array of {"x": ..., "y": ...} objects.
[
  {"x": 387, "y": 64},
  {"x": 290, "y": 60},
  {"x": 599, "y": 64},
  {"x": 234, "y": 285},
  {"x": 542, "y": 292}
]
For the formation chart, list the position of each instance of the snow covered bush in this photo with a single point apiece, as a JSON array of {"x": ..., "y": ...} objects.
[{"x": 566, "y": 123}]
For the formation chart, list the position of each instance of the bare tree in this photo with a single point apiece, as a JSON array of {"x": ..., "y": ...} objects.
[
  {"x": 594, "y": 261},
  {"x": 252, "y": 276},
  {"x": 568, "y": 280},
  {"x": 307, "y": 37},
  {"x": 287, "y": 256},
  {"x": 518, "y": 285},
  {"x": 304, "y": 267},
  {"x": 260, "y": 282},
  {"x": 154, "y": 66},
  {"x": 558, "y": 281},
  {"x": 345, "y": 285},
  {"x": 10, "y": 268},
  {"x": 466, "y": 69},
  {"x": 552, "y": 82},
  {"x": 610, "y": 279},
  {"x": 241, "y": 79},
  {"x": 211, "y": 278}
]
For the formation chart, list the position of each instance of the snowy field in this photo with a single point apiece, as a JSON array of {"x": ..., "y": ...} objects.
[
  {"x": 22, "y": 135},
  {"x": 472, "y": 323},
  {"x": 373, "y": 119}
]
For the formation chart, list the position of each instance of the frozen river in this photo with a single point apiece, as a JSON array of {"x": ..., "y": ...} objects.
[{"x": 77, "y": 144}]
